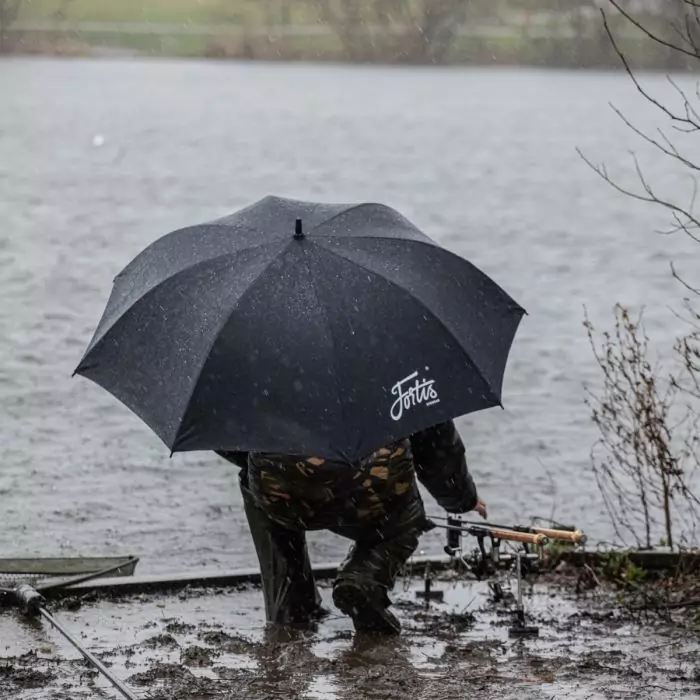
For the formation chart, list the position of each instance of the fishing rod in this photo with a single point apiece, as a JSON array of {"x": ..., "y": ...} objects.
[
  {"x": 32, "y": 603},
  {"x": 561, "y": 533},
  {"x": 484, "y": 563}
]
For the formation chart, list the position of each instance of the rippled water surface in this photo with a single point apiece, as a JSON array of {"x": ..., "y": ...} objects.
[{"x": 98, "y": 158}]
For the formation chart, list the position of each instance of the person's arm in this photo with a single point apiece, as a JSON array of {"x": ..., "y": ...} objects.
[{"x": 441, "y": 467}]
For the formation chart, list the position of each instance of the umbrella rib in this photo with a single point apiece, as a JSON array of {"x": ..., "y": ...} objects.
[
  {"x": 187, "y": 230},
  {"x": 207, "y": 261},
  {"x": 355, "y": 207},
  {"x": 434, "y": 315},
  {"x": 227, "y": 317},
  {"x": 330, "y": 336},
  {"x": 428, "y": 241},
  {"x": 210, "y": 260},
  {"x": 362, "y": 205},
  {"x": 430, "y": 244}
]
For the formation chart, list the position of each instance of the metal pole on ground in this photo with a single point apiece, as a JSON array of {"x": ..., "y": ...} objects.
[{"x": 32, "y": 603}]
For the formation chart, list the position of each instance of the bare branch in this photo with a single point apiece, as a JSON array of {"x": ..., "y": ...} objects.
[
  {"x": 689, "y": 32},
  {"x": 695, "y": 124},
  {"x": 665, "y": 203},
  {"x": 691, "y": 115},
  {"x": 669, "y": 149},
  {"x": 650, "y": 197},
  {"x": 694, "y": 290},
  {"x": 649, "y": 33}
]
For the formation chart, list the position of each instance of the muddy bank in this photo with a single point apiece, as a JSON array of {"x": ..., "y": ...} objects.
[{"x": 211, "y": 643}]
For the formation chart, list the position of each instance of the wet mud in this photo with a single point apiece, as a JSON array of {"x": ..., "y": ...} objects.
[{"x": 212, "y": 643}]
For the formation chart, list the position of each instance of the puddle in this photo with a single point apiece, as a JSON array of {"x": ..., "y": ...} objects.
[{"x": 323, "y": 688}]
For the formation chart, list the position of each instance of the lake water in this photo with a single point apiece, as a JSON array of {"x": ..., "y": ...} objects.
[{"x": 100, "y": 157}]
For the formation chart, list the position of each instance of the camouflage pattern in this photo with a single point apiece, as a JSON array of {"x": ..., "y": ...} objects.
[
  {"x": 374, "y": 502},
  {"x": 316, "y": 494}
]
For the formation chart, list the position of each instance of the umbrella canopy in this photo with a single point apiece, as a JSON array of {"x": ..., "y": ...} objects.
[{"x": 301, "y": 328}]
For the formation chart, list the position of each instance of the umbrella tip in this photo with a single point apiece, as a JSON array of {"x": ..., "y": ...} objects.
[{"x": 298, "y": 230}]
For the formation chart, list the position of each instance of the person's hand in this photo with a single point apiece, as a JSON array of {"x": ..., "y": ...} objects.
[{"x": 480, "y": 508}]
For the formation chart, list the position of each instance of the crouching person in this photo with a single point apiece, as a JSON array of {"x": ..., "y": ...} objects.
[{"x": 374, "y": 502}]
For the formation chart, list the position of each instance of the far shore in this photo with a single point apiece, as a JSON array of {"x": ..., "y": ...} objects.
[{"x": 478, "y": 46}]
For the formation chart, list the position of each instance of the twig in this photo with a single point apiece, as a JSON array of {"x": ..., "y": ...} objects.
[
  {"x": 592, "y": 574},
  {"x": 651, "y": 196},
  {"x": 694, "y": 290},
  {"x": 647, "y": 32},
  {"x": 640, "y": 89}
]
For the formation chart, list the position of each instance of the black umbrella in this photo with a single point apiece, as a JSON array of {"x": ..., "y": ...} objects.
[{"x": 301, "y": 328}]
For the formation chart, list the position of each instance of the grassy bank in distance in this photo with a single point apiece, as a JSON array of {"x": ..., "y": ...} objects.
[
  {"x": 515, "y": 51},
  {"x": 156, "y": 11},
  {"x": 482, "y": 32}
]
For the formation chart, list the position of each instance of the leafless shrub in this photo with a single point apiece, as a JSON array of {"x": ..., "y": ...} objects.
[
  {"x": 648, "y": 421},
  {"x": 647, "y": 436},
  {"x": 9, "y": 12}
]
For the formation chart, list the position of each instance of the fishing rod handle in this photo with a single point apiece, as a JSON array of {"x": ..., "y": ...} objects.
[
  {"x": 29, "y": 598},
  {"x": 515, "y": 536},
  {"x": 577, "y": 537}
]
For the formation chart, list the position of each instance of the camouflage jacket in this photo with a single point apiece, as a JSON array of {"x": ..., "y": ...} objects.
[
  {"x": 436, "y": 455},
  {"x": 440, "y": 461}
]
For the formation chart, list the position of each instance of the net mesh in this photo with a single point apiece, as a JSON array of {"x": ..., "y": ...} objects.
[
  {"x": 11, "y": 580},
  {"x": 34, "y": 580}
]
